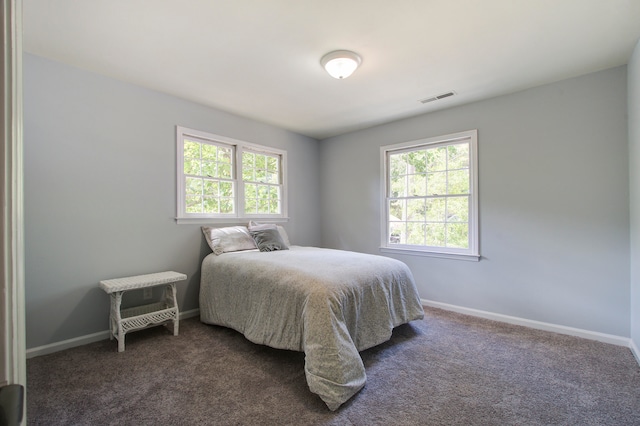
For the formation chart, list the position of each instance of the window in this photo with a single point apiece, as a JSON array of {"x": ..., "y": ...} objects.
[
  {"x": 430, "y": 196},
  {"x": 222, "y": 179}
]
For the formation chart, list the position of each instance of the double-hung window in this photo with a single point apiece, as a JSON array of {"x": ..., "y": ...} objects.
[
  {"x": 430, "y": 191},
  {"x": 225, "y": 180}
]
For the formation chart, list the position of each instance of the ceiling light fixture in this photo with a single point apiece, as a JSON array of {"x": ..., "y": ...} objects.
[{"x": 340, "y": 63}]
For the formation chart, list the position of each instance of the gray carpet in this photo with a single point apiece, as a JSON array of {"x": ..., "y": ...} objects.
[{"x": 449, "y": 369}]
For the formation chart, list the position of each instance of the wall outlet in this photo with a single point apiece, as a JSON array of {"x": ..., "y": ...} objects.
[{"x": 147, "y": 293}]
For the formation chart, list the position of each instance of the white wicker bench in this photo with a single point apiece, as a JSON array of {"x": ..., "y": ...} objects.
[{"x": 123, "y": 321}]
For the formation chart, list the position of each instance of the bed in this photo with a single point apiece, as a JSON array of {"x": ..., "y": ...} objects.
[{"x": 329, "y": 304}]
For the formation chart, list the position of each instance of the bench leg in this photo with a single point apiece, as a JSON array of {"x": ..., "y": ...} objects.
[
  {"x": 172, "y": 301},
  {"x": 121, "y": 343},
  {"x": 116, "y": 301}
]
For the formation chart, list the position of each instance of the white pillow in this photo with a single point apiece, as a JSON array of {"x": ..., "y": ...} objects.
[
  {"x": 255, "y": 226},
  {"x": 231, "y": 238}
]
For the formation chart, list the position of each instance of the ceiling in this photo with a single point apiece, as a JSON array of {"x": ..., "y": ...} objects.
[{"x": 261, "y": 58}]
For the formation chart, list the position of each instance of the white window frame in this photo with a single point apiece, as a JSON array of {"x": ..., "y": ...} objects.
[
  {"x": 239, "y": 147},
  {"x": 471, "y": 253}
]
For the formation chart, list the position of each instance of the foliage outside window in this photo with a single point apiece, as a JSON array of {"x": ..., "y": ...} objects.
[
  {"x": 224, "y": 179},
  {"x": 262, "y": 183},
  {"x": 430, "y": 189}
]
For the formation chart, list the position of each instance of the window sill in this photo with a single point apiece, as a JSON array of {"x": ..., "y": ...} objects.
[
  {"x": 227, "y": 220},
  {"x": 440, "y": 255}
]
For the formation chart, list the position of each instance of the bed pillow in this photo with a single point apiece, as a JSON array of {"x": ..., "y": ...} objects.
[
  {"x": 268, "y": 239},
  {"x": 231, "y": 238},
  {"x": 255, "y": 226}
]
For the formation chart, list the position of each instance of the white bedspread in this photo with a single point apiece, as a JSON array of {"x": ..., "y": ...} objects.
[{"x": 331, "y": 304}]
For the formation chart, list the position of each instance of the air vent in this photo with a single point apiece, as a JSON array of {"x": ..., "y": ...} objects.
[{"x": 437, "y": 98}]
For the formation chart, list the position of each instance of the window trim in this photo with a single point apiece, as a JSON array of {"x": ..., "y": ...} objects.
[
  {"x": 473, "y": 252},
  {"x": 182, "y": 217}
]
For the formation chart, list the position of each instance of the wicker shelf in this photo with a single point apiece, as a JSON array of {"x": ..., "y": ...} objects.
[
  {"x": 165, "y": 312},
  {"x": 145, "y": 316}
]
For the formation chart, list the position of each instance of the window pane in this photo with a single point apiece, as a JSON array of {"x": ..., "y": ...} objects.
[
  {"x": 458, "y": 235},
  {"x": 191, "y": 149},
  {"x": 397, "y": 210},
  {"x": 458, "y": 209},
  {"x": 458, "y": 181},
  {"x": 436, "y": 234},
  {"x": 191, "y": 167},
  {"x": 225, "y": 155},
  {"x": 194, "y": 204},
  {"x": 211, "y": 187},
  {"x": 437, "y": 159},
  {"x": 261, "y": 162},
  {"x": 398, "y": 165},
  {"x": 263, "y": 192},
  {"x": 251, "y": 205},
  {"x": 211, "y": 205},
  {"x": 209, "y": 169},
  {"x": 417, "y": 185},
  {"x": 249, "y": 175},
  {"x": 250, "y": 191},
  {"x": 458, "y": 156},
  {"x": 396, "y": 232},
  {"x": 417, "y": 161},
  {"x": 272, "y": 164},
  {"x": 273, "y": 178},
  {"x": 224, "y": 171},
  {"x": 399, "y": 186},
  {"x": 274, "y": 193},
  {"x": 263, "y": 205},
  {"x": 248, "y": 160},
  {"x": 416, "y": 233},
  {"x": 416, "y": 210},
  {"x": 226, "y": 205},
  {"x": 194, "y": 186},
  {"x": 436, "y": 209},
  {"x": 437, "y": 183},
  {"x": 209, "y": 152},
  {"x": 226, "y": 189}
]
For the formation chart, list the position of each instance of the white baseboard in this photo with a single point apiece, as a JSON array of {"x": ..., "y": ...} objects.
[
  {"x": 635, "y": 351},
  {"x": 67, "y": 344},
  {"x": 591, "y": 335},
  {"x": 85, "y": 340},
  {"x": 189, "y": 314}
]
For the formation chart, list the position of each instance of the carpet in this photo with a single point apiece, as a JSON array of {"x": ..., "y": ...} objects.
[{"x": 448, "y": 369}]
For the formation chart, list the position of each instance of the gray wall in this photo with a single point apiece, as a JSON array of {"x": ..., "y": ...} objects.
[
  {"x": 554, "y": 209},
  {"x": 100, "y": 196},
  {"x": 554, "y": 188},
  {"x": 634, "y": 179}
]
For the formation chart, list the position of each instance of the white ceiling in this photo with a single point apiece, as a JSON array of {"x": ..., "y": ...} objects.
[{"x": 261, "y": 58}]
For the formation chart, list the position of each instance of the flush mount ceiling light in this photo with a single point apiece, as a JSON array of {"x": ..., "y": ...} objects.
[{"x": 340, "y": 63}]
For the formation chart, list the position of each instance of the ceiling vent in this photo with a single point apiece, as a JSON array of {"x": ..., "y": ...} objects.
[{"x": 437, "y": 98}]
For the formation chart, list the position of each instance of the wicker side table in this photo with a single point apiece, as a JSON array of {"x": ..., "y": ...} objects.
[{"x": 123, "y": 321}]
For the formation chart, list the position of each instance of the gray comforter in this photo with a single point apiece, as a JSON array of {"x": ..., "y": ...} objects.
[{"x": 331, "y": 304}]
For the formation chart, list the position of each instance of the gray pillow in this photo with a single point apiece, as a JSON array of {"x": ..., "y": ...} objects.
[
  {"x": 269, "y": 239},
  {"x": 255, "y": 226}
]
